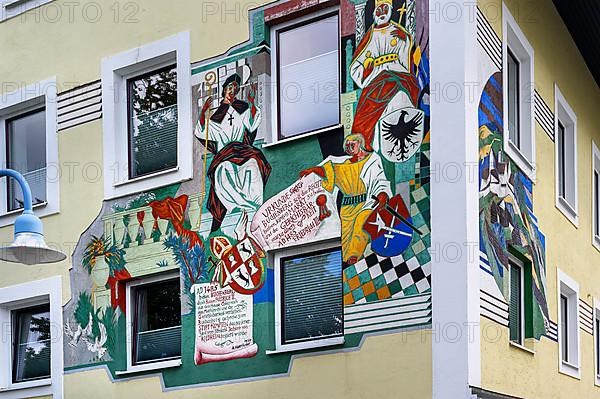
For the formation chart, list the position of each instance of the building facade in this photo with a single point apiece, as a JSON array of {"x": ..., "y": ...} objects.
[{"x": 328, "y": 198}]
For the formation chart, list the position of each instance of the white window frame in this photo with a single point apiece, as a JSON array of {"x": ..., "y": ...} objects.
[
  {"x": 521, "y": 266},
  {"x": 513, "y": 38},
  {"x": 273, "y": 138},
  {"x": 21, "y": 296},
  {"x": 13, "y": 104},
  {"x": 115, "y": 72},
  {"x": 276, "y": 257},
  {"x": 569, "y": 288},
  {"x": 12, "y": 8},
  {"x": 595, "y": 168},
  {"x": 596, "y": 332},
  {"x": 568, "y": 119},
  {"x": 130, "y": 334}
]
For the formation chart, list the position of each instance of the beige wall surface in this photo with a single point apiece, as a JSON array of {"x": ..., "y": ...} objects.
[
  {"x": 568, "y": 248},
  {"x": 371, "y": 372}
]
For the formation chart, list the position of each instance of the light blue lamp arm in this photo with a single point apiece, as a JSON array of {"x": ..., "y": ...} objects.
[
  {"x": 27, "y": 203},
  {"x": 27, "y": 222}
]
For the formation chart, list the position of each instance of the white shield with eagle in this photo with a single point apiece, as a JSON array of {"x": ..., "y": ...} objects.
[{"x": 401, "y": 133}]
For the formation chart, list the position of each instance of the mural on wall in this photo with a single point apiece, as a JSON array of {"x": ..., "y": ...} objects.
[
  {"x": 365, "y": 184},
  {"x": 508, "y": 226}
]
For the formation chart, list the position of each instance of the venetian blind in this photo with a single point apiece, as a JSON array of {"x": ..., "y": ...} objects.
[
  {"x": 309, "y": 77},
  {"x": 515, "y": 303},
  {"x": 312, "y": 297}
]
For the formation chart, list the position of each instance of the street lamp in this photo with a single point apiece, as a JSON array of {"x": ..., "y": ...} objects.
[{"x": 28, "y": 246}]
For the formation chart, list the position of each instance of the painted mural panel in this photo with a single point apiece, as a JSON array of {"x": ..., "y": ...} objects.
[
  {"x": 364, "y": 185},
  {"x": 507, "y": 224}
]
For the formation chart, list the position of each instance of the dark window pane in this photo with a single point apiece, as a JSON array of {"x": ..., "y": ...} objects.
[
  {"x": 597, "y": 347},
  {"x": 564, "y": 327},
  {"x": 596, "y": 204},
  {"x": 561, "y": 161},
  {"x": 152, "y": 123},
  {"x": 157, "y": 321},
  {"x": 515, "y": 306},
  {"x": 312, "y": 296},
  {"x": 26, "y": 153},
  {"x": 31, "y": 343},
  {"x": 514, "y": 133}
]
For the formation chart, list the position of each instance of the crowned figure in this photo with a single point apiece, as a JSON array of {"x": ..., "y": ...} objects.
[{"x": 382, "y": 68}]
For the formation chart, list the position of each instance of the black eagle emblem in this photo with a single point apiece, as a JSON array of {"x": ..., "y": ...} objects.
[{"x": 403, "y": 135}]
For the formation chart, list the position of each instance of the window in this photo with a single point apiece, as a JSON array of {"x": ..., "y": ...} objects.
[
  {"x": 307, "y": 77},
  {"x": 31, "y": 355},
  {"x": 519, "y": 140},
  {"x": 516, "y": 304},
  {"x": 28, "y": 143},
  {"x": 597, "y": 341},
  {"x": 309, "y": 308},
  {"x": 154, "y": 321},
  {"x": 12, "y": 8},
  {"x": 560, "y": 143},
  {"x": 147, "y": 117},
  {"x": 26, "y": 153},
  {"x": 595, "y": 196},
  {"x": 568, "y": 325},
  {"x": 566, "y": 157},
  {"x": 514, "y": 94},
  {"x": 564, "y": 327},
  {"x": 152, "y": 122},
  {"x": 31, "y": 343}
]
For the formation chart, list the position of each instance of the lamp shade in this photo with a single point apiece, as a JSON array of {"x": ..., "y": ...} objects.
[{"x": 29, "y": 246}]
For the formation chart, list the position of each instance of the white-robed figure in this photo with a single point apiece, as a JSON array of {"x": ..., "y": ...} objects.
[
  {"x": 360, "y": 177},
  {"x": 238, "y": 170},
  {"x": 382, "y": 67}
]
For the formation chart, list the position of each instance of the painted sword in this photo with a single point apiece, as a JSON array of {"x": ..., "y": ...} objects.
[{"x": 396, "y": 214}]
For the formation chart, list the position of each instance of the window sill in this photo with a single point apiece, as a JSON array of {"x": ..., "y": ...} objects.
[
  {"x": 569, "y": 370},
  {"x": 42, "y": 210},
  {"x": 151, "y": 367},
  {"x": 521, "y": 347},
  {"x": 148, "y": 176},
  {"x": 566, "y": 209},
  {"x": 18, "y": 211},
  {"x": 596, "y": 242},
  {"x": 525, "y": 165},
  {"x": 17, "y": 7},
  {"x": 46, "y": 382},
  {"x": 304, "y": 135},
  {"x": 307, "y": 345}
]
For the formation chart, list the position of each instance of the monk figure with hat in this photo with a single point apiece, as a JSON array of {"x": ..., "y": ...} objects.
[{"x": 238, "y": 170}]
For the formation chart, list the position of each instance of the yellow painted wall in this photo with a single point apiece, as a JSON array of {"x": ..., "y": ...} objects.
[
  {"x": 506, "y": 369},
  {"x": 385, "y": 364},
  {"x": 72, "y": 51}
]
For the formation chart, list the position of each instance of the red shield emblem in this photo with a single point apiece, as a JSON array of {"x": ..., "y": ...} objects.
[
  {"x": 241, "y": 268},
  {"x": 390, "y": 234}
]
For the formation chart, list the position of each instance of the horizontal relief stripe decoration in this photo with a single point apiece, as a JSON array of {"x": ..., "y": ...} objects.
[
  {"x": 489, "y": 41},
  {"x": 493, "y": 308},
  {"x": 552, "y": 332},
  {"x": 80, "y": 105},
  {"x": 544, "y": 115},
  {"x": 404, "y": 312},
  {"x": 586, "y": 317}
]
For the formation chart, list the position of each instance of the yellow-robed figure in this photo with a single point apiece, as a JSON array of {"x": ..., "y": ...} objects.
[{"x": 359, "y": 176}]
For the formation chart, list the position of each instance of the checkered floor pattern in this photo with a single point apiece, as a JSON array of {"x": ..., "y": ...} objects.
[{"x": 375, "y": 278}]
